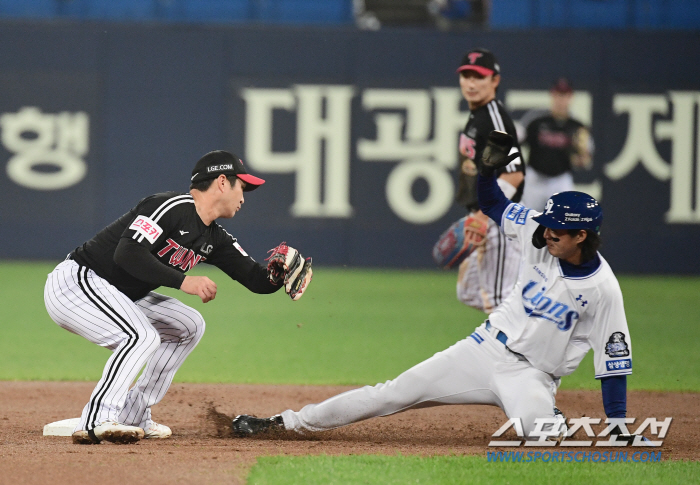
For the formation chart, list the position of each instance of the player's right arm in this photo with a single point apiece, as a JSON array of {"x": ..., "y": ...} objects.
[
  {"x": 200, "y": 286},
  {"x": 138, "y": 261},
  {"x": 133, "y": 252}
]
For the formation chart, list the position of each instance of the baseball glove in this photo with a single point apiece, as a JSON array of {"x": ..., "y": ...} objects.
[
  {"x": 496, "y": 154},
  {"x": 459, "y": 241},
  {"x": 285, "y": 264},
  {"x": 581, "y": 149}
]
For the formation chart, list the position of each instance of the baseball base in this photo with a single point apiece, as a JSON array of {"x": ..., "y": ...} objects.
[{"x": 61, "y": 428}]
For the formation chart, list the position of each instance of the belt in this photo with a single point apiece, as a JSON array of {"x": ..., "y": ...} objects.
[{"x": 500, "y": 336}]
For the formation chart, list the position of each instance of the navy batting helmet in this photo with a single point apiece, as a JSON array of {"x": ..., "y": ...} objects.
[{"x": 571, "y": 210}]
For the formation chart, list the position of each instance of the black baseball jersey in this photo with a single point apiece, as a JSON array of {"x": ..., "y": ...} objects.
[
  {"x": 168, "y": 227},
  {"x": 551, "y": 146},
  {"x": 472, "y": 141}
]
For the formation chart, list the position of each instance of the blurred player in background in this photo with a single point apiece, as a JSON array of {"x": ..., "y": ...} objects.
[
  {"x": 490, "y": 269},
  {"x": 558, "y": 143}
]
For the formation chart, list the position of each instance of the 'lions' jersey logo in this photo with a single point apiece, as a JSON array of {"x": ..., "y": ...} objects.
[
  {"x": 541, "y": 306},
  {"x": 616, "y": 346}
]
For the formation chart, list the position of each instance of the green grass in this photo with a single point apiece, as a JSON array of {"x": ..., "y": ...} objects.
[
  {"x": 352, "y": 327},
  {"x": 374, "y": 469}
]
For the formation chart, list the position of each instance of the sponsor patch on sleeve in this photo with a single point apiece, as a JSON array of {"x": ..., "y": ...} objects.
[
  {"x": 145, "y": 226},
  {"x": 619, "y": 364},
  {"x": 517, "y": 213},
  {"x": 240, "y": 249}
]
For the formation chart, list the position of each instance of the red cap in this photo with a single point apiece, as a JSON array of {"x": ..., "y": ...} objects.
[{"x": 562, "y": 85}]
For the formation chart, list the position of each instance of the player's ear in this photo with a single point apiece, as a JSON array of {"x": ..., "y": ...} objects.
[
  {"x": 581, "y": 236},
  {"x": 221, "y": 182},
  {"x": 496, "y": 79}
]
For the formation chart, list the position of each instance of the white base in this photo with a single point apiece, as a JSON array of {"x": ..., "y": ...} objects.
[{"x": 61, "y": 428}]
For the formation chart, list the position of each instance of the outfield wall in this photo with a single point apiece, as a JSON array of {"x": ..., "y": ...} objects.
[{"x": 355, "y": 131}]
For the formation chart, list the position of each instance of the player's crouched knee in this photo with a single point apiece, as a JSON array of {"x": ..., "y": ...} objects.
[
  {"x": 194, "y": 327},
  {"x": 149, "y": 338}
]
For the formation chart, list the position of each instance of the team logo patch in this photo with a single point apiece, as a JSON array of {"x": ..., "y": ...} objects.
[
  {"x": 616, "y": 346},
  {"x": 517, "y": 213},
  {"x": 147, "y": 228},
  {"x": 622, "y": 364}
]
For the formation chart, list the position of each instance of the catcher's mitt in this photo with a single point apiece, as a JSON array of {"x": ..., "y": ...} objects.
[
  {"x": 496, "y": 154},
  {"x": 285, "y": 264},
  {"x": 459, "y": 241}
]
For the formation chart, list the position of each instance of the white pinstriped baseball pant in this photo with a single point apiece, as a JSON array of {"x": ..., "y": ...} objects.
[
  {"x": 489, "y": 274},
  {"x": 156, "y": 331}
]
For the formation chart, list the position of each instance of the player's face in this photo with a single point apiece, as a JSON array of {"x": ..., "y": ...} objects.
[
  {"x": 234, "y": 197},
  {"x": 563, "y": 245},
  {"x": 478, "y": 89},
  {"x": 561, "y": 103}
]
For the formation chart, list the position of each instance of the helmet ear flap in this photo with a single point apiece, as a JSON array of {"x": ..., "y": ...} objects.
[{"x": 538, "y": 239}]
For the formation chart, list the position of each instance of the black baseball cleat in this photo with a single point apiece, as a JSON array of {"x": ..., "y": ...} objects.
[{"x": 244, "y": 425}]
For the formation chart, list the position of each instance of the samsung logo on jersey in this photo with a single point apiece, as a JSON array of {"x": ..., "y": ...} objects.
[
  {"x": 622, "y": 364},
  {"x": 541, "y": 306},
  {"x": 219, "y": 168}
]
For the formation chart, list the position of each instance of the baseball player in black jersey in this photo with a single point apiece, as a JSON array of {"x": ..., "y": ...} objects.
[
  {"x": 103, "y": 292},
  {"x": 488, "y": 261},
  {"x": 558, "y": 143}
]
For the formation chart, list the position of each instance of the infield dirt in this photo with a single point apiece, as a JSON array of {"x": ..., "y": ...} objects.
[{"x": 202, "y": 450}]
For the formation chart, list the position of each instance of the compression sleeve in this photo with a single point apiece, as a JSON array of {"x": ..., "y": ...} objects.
[
  {"x": 256, "y": 280},
  {"x": 136, "y": 259},
  {"x": 614, "y": 390},
  {"x": 230, "y": 258},
  {"x": 492, "y": 201}
]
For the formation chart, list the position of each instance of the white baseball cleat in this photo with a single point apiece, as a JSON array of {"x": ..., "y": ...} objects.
[
  {"x": 82, "y": 437},
  {"x": 118, "y": 433},
  {"x": 157, "y": 431}
]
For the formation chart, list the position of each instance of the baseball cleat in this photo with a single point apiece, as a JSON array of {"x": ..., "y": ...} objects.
[
  {"x": 563, "y": 428},
  {"x": 157, "y": 431},
  {"x": 82, "y": 437},
  {"x": 117, "y": 433},
  {"x": 244, "y": 425}
]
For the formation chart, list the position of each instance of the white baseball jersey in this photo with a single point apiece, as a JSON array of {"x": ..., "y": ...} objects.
[
  {"x": 553, "y": 319},
  {"x": 514, "y": 360}
]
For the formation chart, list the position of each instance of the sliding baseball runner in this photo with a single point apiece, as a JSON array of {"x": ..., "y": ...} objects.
[
  {"x": 104, "y": 292},
  {"x": 566, "y": 303}
]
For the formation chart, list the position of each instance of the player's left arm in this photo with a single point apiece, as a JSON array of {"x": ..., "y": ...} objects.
[
  {"x": 232, "y": 259},
  {"x": 612, "y": 348},
  {"x": 614, "y": 389}
]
